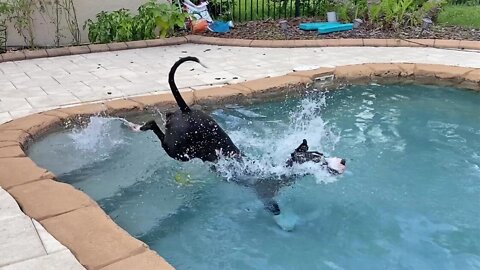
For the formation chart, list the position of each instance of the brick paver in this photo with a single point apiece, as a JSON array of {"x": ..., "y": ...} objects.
[{"x": 40, "y": 84}]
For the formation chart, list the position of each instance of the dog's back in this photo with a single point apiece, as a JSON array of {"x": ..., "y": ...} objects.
[
  {"x": 194, "y": 134},
  {"x": 191, "y": 133}
]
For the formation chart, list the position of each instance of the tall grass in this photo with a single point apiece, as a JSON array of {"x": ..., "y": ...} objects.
[{"x": 467, "y": 16}]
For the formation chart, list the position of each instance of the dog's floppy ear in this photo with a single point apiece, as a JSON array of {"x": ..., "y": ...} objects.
[{"x": 302, "y": 147}]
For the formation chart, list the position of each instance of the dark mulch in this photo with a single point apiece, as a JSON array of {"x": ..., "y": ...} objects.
[{"x": 271, "y": 29}]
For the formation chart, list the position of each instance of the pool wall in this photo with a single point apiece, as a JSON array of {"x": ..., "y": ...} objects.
[{"x": 75, "y": 220}]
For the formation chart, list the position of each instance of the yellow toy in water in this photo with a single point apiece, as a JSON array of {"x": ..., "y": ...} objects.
[{"x": 183, "y": 179}]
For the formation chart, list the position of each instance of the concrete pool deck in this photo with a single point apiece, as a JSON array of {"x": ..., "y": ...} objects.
[
  {"x": 37, "y": 85},
  {"x": 41, "y": 84}
]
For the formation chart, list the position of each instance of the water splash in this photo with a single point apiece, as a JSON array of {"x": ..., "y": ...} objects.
[
  {"x": 99, "y": 136},
  {"x": 266, "y": 155}
]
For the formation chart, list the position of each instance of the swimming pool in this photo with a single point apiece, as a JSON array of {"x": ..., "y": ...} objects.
[{"x": 409, "y": 199}]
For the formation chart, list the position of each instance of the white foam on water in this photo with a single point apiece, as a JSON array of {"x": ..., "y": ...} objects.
[
  {"x": 249, "y": 113},
  {"x": 332, "y": 265},
  {"x": 98, "y": 137},
  {"x": 273, "y": 148},
  {"x": 270, "y": 147}
]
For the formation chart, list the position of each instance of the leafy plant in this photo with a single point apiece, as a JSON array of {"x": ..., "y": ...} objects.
[
  {"x": 121, "y": 25},
  {"x": 169, "y": 17},
  {"x": 430, "y": 9},
  {"x": 319, "y": 8},
  {"x": 5, "y": 10},
  {"x": 145, "y": 22},
  {"x": 222, "y": 9},
  {"x": 70, "y": 16},
  {"x": 343, "y": 13},
  {"x": 361, "y": 9},
  {"x": 111, "y": 26},
  {"x": 464, "y": 2},
  {"x": 393, "y": 14},
  {"x": 351, "y": 10},
  {"x": 21, "y": 12}
]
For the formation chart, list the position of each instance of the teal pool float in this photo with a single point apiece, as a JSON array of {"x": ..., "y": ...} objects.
[
  {"x": 326, "y": 27},
  {"x": 311, "y": 26},
  {"x": 335, "y": 28}
]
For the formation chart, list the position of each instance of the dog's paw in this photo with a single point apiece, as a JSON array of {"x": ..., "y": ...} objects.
[
  {"x": 130, "y": 125},
  {"x": 286, "y": 222},
  {"x": 134, "y": 127}
]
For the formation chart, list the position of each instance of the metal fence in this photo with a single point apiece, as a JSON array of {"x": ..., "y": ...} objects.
[{"x": 247, "y": 10}]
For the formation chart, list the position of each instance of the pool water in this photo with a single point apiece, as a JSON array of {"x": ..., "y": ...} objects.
[{"x": 410, "y": 198}]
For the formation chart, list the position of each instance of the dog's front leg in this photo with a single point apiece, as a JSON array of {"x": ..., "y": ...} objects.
[
  {"x": 266, "y": 189},
  {"x": 271, "y": 205},
  {"x": 152, "y": 125}
]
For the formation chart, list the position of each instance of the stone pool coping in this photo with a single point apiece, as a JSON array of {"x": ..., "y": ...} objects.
[
  {"x": 77, "y": 221},
  {"x": 197, "y": 39}
]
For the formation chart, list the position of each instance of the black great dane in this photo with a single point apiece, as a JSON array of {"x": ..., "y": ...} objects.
[{"x": 191, "y": 133}]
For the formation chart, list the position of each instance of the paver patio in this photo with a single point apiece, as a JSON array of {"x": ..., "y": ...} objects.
[{"x": 41, "y": 84}]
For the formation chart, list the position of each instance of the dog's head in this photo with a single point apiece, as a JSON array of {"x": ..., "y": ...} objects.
[
  {"x": 301, "y": 155},
  {"x": 336, "y": 165}
]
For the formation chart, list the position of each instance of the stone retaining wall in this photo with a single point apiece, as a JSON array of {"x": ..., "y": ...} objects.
[{"x": 115, "y": 46}]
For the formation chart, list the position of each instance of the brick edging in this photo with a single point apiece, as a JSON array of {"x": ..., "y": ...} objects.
[
  {"x": 197, "y": 39},
  {"x": 77, "y": 221}
]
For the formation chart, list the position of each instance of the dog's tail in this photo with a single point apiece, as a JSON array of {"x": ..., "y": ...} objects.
[{"x": 171, "y": 81}]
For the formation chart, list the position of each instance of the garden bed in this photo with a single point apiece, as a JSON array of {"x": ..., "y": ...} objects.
[{"x": 270, "y": 29}]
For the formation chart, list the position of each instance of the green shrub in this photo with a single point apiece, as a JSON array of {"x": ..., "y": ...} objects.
[
  {"x": 394, "y": 14},
  {"x": 168, "y": 17},
  {"x": 318, "y": 8},
  {"x": 5, "y": 10},
  {"x": 144, "y": 23},
  {"x": 464, "y": 2},
  {"x": 223, "y": 10},
  {"x": 349, "y": 11},
  {"x": 111, "y": 26},
  {"x": 121, "y": 25},
  {"x": 346, "y": 10}
]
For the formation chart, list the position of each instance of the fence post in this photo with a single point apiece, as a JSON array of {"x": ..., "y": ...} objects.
[{"x": 297, "y": 8}]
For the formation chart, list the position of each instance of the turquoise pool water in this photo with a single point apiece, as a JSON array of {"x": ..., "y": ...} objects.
[{"x": 410, "y": 198}]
